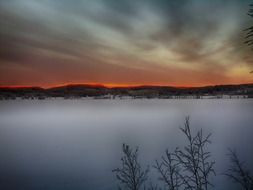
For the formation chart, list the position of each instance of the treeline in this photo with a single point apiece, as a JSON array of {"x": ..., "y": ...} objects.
[
  {"x": 97, "y": 91},
  {"x": 188, "y": 168}
]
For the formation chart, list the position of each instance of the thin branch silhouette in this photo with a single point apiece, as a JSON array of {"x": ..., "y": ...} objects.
[
  {"x": 168, "y": 170},
  {"x": 237, "y": 173},
  {"x": 249, "y": 31},
  {"x": 130, "y": 175},
  {"x": 189, "y": 168}
]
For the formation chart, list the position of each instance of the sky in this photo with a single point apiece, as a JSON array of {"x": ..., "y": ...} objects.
[{"x": 124, "y": 42}]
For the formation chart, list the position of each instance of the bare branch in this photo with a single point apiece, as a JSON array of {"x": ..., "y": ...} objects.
[
  {"x": 190, "y": 167},
  {"x": 237, "y": 173},
  {"x": 131, "y": 175}
]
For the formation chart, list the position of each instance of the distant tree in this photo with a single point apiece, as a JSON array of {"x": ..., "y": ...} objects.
[
  {"x": 130, "y": 175},
  {"x": 238, "y": 173},
  {"x": 191, "y": 167}
]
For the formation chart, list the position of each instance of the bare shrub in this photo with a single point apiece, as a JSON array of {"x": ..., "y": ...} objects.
[
  {"x": 188, "y": 168},
  {"x": 237, "y": 173},
  {"x": 130, "y": 175},
  {"x": 168, "y": 170}
]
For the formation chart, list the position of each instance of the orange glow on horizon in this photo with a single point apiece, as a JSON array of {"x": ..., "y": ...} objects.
[{"x": 113, "y": 85}]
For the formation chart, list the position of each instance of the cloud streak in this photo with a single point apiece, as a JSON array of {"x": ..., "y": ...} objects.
[{"x": 165, "y": 42}]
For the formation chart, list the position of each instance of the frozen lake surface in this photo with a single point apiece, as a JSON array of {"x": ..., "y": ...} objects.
[{"x": 74, "y": 144}]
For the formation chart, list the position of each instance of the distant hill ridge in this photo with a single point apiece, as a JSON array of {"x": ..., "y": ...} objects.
[{"x": 88, "y": 90}]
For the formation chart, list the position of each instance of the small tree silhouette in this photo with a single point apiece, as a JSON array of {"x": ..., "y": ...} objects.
[
  {"x": 168, "y": 170},
  {"x": 238, "y": 173},
  {"x": 130, "y": 175},
  {"x": 190, "y": 167}
]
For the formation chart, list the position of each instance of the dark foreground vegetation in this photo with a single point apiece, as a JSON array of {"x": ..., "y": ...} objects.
[
  {"x": 188, "y": 168},
  {"x": 96, "y": 91}
]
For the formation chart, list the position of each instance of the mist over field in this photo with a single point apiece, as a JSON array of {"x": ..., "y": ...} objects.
[{"x": 75, "y": 144}]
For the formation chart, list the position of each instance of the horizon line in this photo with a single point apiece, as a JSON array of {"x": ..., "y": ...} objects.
[{"x": 118, "y": 85}]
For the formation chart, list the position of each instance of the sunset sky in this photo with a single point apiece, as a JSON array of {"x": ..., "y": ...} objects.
[{"x": 124, "y": 42}]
